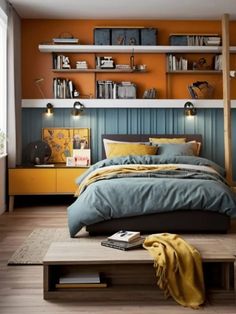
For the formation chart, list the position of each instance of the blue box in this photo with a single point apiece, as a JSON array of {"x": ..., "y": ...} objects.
[
  {"x": 148, "y": 36},
  {"x": 132, "y": 36},
  {"x": 118, "y": 36},
  {"x": 102, "y": 36},
  {"x": 178, "y": 40}
]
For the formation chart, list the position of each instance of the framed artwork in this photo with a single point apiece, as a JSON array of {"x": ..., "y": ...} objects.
[{"x": 64, "y": 140}]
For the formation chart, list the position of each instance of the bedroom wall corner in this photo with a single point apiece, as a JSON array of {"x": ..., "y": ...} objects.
[{"x": 3, "y": 205}]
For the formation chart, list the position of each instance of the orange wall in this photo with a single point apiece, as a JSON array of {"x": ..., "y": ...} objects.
[{"x": 36, "y": 64}]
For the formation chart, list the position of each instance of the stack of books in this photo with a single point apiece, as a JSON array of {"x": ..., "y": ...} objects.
[
  {"x": 124, "y": 240},
  {"x": 80, "y": 280},
  {"x": 81, "y": 65}
]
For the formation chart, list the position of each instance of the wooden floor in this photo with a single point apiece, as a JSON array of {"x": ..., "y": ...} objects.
[{"x": 21, "y": 287}]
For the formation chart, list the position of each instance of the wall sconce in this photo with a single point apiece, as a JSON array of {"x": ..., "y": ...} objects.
[
  {"x": 77, "y": 109},
  {"x": 189, "y": 109},
  {"x": 49, "y": 109}
]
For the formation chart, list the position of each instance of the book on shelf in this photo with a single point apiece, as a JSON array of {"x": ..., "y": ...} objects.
[
  {"x": 80, "y": 285},
  {"x": 124, "y": 246},
  {"x": 69, "y": 40},
  {"x": 80, "y": 278}
]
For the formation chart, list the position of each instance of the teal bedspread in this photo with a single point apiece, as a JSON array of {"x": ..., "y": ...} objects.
[{"x": 132, "y": 194}]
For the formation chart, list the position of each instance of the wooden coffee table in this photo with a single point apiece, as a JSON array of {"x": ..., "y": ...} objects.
[{"x": 129, "y": 274}]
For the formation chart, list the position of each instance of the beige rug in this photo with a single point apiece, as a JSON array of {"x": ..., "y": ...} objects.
[{"x": 34, "y": 248}]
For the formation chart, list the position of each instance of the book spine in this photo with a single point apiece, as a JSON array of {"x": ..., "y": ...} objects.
[{"x": 114, "y": 246}]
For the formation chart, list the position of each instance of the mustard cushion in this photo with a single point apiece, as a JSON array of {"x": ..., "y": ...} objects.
[
  {"x": 106, "y": 141},
  {"x": 117, "y": 149},
  {"x": 163, "y": 140}
]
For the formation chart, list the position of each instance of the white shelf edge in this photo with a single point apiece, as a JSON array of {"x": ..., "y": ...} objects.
[
  {"x": 130, "y": 49},
  {"x": 125, "y": 103}
]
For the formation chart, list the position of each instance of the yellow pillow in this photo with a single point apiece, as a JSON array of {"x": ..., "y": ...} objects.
[
  {"x": 117, "y": 149},
  {"x": 166, "y": 140}
]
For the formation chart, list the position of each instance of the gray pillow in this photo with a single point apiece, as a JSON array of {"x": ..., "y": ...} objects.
[{"x": 186, "y": 149}]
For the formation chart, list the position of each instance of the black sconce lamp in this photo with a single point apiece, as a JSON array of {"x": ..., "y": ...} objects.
[
  {"x": 78, "y": 108},
  {"x": 49, "y": 109},
  {"x": 189, "y": 109}
]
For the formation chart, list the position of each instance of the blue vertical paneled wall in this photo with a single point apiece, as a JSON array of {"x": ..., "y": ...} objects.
[{"x": 208, "y": 123}]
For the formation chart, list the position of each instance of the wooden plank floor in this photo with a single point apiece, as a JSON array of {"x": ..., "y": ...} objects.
[{"x": 21, "y": 287}]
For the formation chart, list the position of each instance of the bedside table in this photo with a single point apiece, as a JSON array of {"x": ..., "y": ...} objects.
[{"x": 42, "y": 181}]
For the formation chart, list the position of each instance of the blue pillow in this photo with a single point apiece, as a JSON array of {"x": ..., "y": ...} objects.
[{"x": 186, "y": 149}]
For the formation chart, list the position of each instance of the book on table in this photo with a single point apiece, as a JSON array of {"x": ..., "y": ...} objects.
[
  {"x": 125, "y": 236},
  {"x": 124, "y": 240},
  {"x": 124, "y": 246}
]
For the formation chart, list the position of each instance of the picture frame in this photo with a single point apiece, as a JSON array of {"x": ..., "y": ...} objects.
[
  {"x": 62, "y": 141},
  {"x": 82, "y": 157}
]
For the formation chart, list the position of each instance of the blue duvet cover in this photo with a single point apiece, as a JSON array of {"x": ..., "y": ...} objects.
[{"x": 139, "y": 185}]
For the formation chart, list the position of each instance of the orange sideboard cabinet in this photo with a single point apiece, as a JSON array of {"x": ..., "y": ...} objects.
[{"x": 42, "y": 181}]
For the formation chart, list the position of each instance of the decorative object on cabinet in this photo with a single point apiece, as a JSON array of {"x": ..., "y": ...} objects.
[
  {"x": 49, "y": 109},
  {"x": 63, "y": 140},
  {"x": 189, "y": 109},
  {"x": 201, "y": 89},
  {"x": 78, "y": 108},
  {"x": 37, "y": 153},
  {"x": 82, "y": 157}
]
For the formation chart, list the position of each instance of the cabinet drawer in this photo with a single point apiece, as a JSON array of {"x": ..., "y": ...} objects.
[
  {"x": 66, "y": 179},
  {"x": 32, "y": 181}
]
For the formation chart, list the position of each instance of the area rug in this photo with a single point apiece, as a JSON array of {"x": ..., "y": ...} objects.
[{"x": 34, "y": 248}]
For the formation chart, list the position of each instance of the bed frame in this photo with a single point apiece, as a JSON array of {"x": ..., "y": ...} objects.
[{"x": 182, "y": 221}]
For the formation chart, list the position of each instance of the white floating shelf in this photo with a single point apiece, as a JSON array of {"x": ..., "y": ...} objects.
[
  {"x": 131, "y": 49},
  {"x": 125, "y": 103}
]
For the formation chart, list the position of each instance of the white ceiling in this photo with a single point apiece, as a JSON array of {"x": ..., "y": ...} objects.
[{"x": 125, "y": 9}]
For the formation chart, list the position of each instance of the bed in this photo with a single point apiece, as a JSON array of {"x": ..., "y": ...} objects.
[{"x": 159, "y": 192}]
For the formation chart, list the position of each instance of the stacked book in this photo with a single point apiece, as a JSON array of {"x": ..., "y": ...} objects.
[
  {"x": 123, "y": 67},
  {"x": 124, "y": 240},
  {"x": 81, "y": 65},
  {"x": 65, "y": 40},
  {"x": 80, "y": 280}
]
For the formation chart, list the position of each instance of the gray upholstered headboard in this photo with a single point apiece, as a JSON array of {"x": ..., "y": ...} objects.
[{"x": 145, "y": 138}]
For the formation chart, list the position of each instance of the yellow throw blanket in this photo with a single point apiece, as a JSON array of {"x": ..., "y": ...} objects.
[
  {"x": 178, "y": 268},
  {"x": 109, "y": 171}
]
